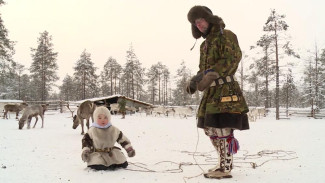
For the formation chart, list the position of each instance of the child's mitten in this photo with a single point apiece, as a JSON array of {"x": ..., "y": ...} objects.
[
  {"x": 85, "y": 154},
  {"x": 130, "y": 151}
]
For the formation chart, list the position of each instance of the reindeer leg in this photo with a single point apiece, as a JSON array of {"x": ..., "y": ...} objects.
[
  {"x": 82, "y": 126},
  {"x": 42, "y": 120},
  {"x": 5, "y": 115},
  {"x": 35, "y": 121},
  {"x": 28, "y": 122},
  {"x": 87, "y": 123},
  {"x": 17, "y": 115}
]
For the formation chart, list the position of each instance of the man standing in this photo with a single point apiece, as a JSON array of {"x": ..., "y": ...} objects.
[
  {"x": 122, "y": 105},
  {"x": 223, "y": 107}
]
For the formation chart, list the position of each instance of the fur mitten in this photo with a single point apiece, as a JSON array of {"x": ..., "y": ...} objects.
[
  {"x": 207, "y": 80},
  {"x": 130, "y": 151},
  {"x": 192, "y": 85},
  {"x": 85, "y": 154}
]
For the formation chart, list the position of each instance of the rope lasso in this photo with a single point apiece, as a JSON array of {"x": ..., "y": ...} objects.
[{"x": 245, "y": 159}]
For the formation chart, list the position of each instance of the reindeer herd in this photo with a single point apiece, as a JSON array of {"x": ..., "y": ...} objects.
[
  {"x": 86, "y": 109},
  {"x": 28, "y": 113}
]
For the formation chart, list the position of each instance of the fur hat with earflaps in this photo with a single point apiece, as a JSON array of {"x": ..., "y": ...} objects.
[
  {"x": 102, "y": 110},
  {"x": 203, "y": 12}
]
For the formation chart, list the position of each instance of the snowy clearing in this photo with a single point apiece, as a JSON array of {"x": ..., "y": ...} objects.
[{"x": 271, "y": 151}]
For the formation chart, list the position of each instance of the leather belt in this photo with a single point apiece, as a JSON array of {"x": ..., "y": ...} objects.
[{"x": 223, "y": 80}]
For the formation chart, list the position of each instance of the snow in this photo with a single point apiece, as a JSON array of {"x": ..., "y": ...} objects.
[
  {"x": 11, "y": 101},
  {"x": 283, "y": 151}
]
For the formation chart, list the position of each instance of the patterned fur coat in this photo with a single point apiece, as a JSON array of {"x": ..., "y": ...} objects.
[{"x": 101, "y": 144}]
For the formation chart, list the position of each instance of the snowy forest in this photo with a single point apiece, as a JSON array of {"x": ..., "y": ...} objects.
[{"x": 266, "y": 73}]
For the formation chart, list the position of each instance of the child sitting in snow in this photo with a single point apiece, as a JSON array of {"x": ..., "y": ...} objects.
[{"x": 98, "y": 148}]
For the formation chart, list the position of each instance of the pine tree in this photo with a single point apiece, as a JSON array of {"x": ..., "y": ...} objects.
[
  {"x": 181, "y": 97},
  {"x": 26, "y": 89},
  {"x": 265, "y": 66},
  {"x": 16, "y": 80},
  {"x": 289, "y": 92},
  {"x": 152, "y": 75},
  {"x": 314, "y": 77},
  {"x": 85, "y": 77},
  {"x": 43, "y": 68},
  {"x": 133, "y": 75},
  {"x": 6, "y": 62},
  {"x": 166, "y": 78},
  {"x": 109, "y": 76},
  {"x": 318, "y": 76},
  {"x": 256, "y": 98},
  {"x": 241, "y": 74},
  {"x": 158, "y": 80},
  {"x": 67, "y": 89},
  {"x": 321, "y": 80},
  {"x": 275, "y": 25},
  {"x": 308, "y": 83},
  {"x": 6, "y": 46}
]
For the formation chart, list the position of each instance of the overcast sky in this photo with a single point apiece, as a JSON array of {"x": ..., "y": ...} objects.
[{"x": 158, "y": 29}]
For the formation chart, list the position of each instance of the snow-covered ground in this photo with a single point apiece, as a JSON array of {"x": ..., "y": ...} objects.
[{"x": 271, "y": 151}]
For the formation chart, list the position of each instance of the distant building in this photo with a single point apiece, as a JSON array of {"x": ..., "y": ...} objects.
[{"x": 115, "y": 98}]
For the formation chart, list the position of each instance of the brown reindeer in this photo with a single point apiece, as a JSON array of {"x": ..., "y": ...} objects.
[
  {"x": 85, "y": 111},
  {"x": 29, "y": 113},
  {"x": 13, "y": 108},
  {"x": 44, "y": 106}
]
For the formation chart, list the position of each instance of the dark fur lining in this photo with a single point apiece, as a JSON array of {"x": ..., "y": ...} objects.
[
  {"x": 224, "y": 120},
  {"x": 87, "y": 141},
  {"x": 203, "y": 12},
  {"x": 119, "y": 136},
  {"x": 123, "y": 144}
]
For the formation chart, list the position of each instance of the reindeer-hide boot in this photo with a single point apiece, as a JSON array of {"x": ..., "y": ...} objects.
[{"x": 222, "y": 141}]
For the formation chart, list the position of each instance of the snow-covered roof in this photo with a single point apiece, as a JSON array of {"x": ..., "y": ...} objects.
[
  {"x": 112, "y": 96},
  {"x": 11, "y": 101}
]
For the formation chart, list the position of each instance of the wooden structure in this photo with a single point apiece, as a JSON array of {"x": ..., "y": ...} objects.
[
  {"x": 4, "y": 102},
  {"x": 115, "y": 99}
]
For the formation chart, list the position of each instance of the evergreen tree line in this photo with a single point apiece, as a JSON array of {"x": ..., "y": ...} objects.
[
  {"x": 268, "y": 82},
  {"x": 271, "y": 75},
  {"x": 151, "y": 85}
]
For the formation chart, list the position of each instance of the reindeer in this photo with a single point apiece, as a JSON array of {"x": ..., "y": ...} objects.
[
  {"x": 183, "y": 111},
  {"x": 146, "y": 110},
  {"x": 159, "y": 110},
  {"x": 13, "y": 108},
  {"x": 44, "y": 106},
  {"x": 29, "y": 113},
  {"x": 114, "y": 108},
  {"x": 85, "y": 111}
]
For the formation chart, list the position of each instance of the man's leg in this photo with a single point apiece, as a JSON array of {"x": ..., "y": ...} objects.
[{"x": 220, "y": 139}]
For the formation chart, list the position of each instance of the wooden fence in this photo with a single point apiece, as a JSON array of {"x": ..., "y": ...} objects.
[{"x": 305, "y": 112}]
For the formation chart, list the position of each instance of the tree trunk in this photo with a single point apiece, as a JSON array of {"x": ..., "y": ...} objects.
[
  {"x": 266, "y": 81},
  {"x": 132, "y": 85},
  {"x": 111, "y": 77},
  {"x": 83, "y": 85},
  {"x": 159, "y": 100},
  {"x": 277, "y": 107},
  {"x": 316, "y": 80}
]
